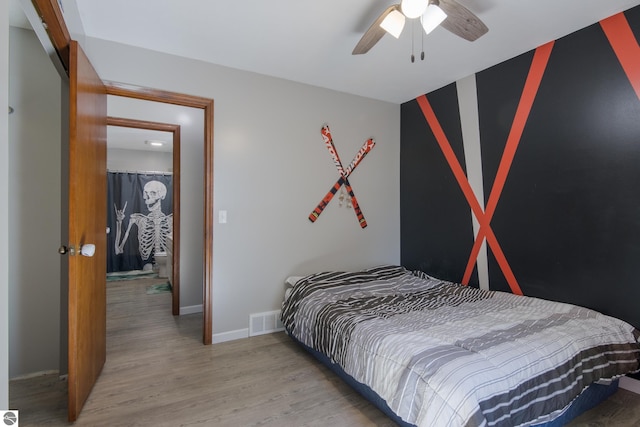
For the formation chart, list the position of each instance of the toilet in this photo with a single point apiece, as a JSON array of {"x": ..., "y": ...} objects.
[{"x": 161, "y": 263}]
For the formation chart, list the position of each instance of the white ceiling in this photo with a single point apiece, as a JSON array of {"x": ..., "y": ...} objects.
[{"x": 311, "y": 41}]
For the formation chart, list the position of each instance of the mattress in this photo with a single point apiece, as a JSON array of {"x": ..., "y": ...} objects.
[{"x": 442, "y": 354}]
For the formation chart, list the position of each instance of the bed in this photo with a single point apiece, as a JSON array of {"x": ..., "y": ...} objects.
[{"x": 434, "y": 353}]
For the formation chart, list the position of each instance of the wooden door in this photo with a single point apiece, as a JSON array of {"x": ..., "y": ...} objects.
[{"x": 87, "y": 225}]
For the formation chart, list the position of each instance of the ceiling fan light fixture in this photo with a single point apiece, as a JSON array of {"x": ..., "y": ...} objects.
[
  {"x": 393, "y": 23},
  {"x": 413, "y": 8},
  {"x": 432, "y": 17}
]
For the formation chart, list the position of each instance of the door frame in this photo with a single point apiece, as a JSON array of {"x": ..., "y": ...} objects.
[
  {"x": 206, "y": 104},
  {"x": 175, "y": 131}
]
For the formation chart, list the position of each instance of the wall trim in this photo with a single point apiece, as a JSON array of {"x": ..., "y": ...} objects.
[
  {"x": 191, "y": 309},
  {"x": 36, "y": 374},
  {"x": 630, "y": 384},
  {"x": 230, "y": 336}
]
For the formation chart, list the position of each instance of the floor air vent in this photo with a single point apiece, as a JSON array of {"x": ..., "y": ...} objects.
[{"x": 265, "y": 323}]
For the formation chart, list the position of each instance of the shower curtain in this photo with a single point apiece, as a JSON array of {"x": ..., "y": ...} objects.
[{"x": 139, "y": 218}]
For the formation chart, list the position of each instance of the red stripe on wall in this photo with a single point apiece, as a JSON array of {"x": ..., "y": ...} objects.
[
  {"x": 625, "y": 46},
  {"x": 450, "y": 156},
  {"x": 461, "y": 178},
  {"x": 532, "y": 84}
]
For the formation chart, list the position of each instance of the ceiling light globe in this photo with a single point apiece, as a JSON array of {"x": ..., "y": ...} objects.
[
  {"x": 413, "y": 8},
  {"x": 393, "y": 23},
  {"x": 154, "y": 142},
  {"x": 432, "y": 17}
]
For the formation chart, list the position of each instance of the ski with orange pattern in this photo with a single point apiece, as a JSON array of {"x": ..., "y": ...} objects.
[{"x": 344, "y": 175}]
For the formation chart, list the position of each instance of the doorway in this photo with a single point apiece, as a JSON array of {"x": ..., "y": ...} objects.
[
  {"x": 150, "y": 130},
  {"x": 206, "y": 105}
]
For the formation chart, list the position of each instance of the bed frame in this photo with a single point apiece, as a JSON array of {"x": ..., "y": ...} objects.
[{"x": 589, "y": 398}]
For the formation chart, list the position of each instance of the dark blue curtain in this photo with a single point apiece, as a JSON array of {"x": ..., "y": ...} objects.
[{"x": 139, "y": 216}]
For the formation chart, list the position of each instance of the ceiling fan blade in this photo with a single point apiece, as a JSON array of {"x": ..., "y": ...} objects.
[
  {"x": 374, "y": 33},
  {"x": 461, "y": 21}
]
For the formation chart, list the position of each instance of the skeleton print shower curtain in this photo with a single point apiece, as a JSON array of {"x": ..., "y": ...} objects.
[{"x": 139, "y": 218}]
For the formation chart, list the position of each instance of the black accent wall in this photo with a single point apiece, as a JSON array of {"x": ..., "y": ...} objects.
[
  {"x": 568, "y": 219},
  {"x": 435, "y": 229}
]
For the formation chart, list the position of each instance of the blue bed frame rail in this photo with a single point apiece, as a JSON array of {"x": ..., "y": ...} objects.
[{"x": 589, "y": 398}]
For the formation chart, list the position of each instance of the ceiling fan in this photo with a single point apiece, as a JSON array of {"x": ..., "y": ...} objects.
[{"x": 448, "y": 13}]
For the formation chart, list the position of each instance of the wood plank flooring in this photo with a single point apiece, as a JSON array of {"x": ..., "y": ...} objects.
[{"x": 158, "y": 373}]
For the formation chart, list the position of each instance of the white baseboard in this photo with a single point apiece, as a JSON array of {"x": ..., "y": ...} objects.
[
  {"x": 191, "y": 309},
  {"x": 230, "y": 336},
  {"x": 630, "y": 384},
  {"x": 35, "y": 374}
]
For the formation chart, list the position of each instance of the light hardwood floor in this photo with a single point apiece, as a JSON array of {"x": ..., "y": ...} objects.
[{"x": 158, "y": 373}]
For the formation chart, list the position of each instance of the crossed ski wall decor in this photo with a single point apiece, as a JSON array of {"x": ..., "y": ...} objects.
[{"x": 344, "y": 176}]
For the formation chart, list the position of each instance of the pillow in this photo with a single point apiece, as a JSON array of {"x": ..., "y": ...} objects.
[{"x": 291, "y": 280}]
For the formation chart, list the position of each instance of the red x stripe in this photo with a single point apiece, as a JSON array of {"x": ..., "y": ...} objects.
[
  {"x": 538, "y": 66},
  {"x": 625, "y": 46}
]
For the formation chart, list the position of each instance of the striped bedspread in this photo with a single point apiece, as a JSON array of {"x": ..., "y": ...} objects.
[{"x": 443, "y": 354}]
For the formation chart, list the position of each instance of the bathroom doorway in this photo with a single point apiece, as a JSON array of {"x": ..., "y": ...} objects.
[{"x": 144, "y": 156}]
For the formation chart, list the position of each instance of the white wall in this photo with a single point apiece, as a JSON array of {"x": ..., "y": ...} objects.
[
  {"x": 4, "y": 208},
  {"x": 271, "y": 169},
  {"x": 138, "y": 160},
  {"x": 34, "y": 206}
]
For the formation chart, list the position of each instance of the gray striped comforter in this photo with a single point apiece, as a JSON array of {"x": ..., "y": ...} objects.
[{"x": 443, "y": 354}]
